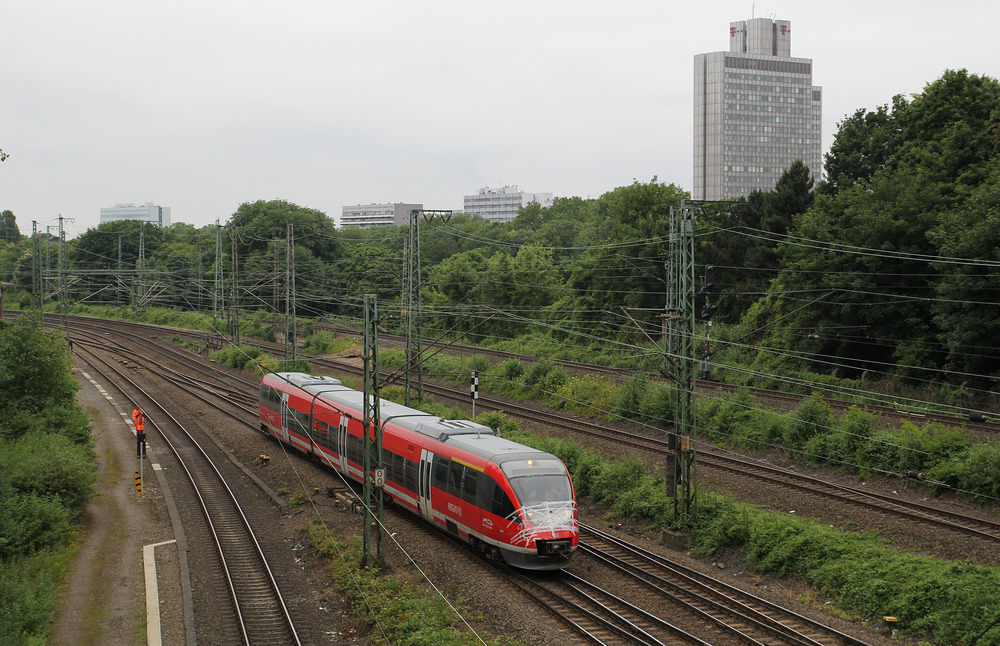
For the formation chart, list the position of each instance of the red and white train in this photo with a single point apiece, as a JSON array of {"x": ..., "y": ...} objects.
[{"x": 508, "y": 500}]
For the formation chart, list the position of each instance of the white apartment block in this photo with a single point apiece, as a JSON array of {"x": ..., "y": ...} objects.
[
  {"x": 148, "y": 212},
  {"x": 502, "y": 204},
  {"x": 377, "y": 215},
  {"x": 756, "y": 111}
]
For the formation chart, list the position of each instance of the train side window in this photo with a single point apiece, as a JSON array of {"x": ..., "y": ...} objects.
[
  {"x": 409, "y": 474},
  {"x": 469, "y": 485},
  {"x": 455, "y": 479},
  {"x": 441, "y": 472},
  {"x": 484, "y": 493},
  {"x": 301, "y": 422},
  {"x": 396, "y": 468},
  {"x": 354, "y": 449},
  {"x": 502, "y": 505}
]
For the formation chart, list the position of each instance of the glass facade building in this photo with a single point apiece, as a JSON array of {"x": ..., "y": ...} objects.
[{"x": 756, "y": 111}]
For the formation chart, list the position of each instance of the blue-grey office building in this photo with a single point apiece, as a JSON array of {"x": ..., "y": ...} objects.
[{"x": 756, "y": 111}]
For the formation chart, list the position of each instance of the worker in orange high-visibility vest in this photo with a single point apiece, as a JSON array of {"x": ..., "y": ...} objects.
[{"x": 139, "y": 419}]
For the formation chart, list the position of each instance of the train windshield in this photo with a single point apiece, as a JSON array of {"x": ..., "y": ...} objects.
[{"x": 538, "y": 480}]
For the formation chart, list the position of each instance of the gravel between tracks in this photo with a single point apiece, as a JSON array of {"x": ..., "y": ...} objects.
[{"x": 493, "y": 609}]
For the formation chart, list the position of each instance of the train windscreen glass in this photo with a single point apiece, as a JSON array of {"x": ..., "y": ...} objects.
[{"x": 538, "y": 480}]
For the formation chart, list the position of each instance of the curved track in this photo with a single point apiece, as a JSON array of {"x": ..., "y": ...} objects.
[{"x": 261, "y": 615}]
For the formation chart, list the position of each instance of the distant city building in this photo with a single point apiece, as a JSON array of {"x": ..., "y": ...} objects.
[
  {"x": 501, "y": 204},
  {"x": 756, "y": 112},
  {"x": 148, "y": 212},
  {"x": 377, "y": 215}
]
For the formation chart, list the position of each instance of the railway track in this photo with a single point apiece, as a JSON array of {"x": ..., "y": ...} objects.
[
  {"x": 597, "y": 614},
  {"x": 975, "y": 421},
  {"x": 976, "y": 526},
  {"x": 261, "y": 616},
  {"x": 731, "y": 610}
]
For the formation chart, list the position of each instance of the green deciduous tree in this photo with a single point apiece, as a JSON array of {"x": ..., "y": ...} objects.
[
  {"x": 8, "y": 227},
  {"x": 857, "y": 289}
]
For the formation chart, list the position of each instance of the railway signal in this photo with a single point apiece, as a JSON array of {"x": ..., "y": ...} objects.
[{"x": 474, "y": 388}]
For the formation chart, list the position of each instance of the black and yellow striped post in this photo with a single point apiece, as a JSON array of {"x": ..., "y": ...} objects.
[{"x": 138, "y": 485}]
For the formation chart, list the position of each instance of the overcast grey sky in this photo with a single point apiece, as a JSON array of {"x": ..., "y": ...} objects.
[{"x": 202, "y": 105}]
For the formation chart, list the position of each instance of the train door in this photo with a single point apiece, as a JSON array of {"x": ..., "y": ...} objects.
[
  {"x": 286, "y": 418},
  {"x": 424, "y": 484},
  {"x": 342, "y": 443}
]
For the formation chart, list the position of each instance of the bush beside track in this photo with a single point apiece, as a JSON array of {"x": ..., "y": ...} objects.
[{"x": 47, "y": 474}]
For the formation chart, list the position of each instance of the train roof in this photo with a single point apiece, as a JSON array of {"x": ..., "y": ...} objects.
[{"x": 467, "y": 435}]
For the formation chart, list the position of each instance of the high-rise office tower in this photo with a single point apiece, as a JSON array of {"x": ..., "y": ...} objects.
[{"x": 756, "y": 112}]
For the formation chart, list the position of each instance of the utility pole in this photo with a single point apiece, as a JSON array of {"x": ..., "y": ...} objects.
[
  {"x": 412, "y": 299},
  {"x": 217, "y": 301},
  {"x": 120, "y": 281},
  {"x": 36, "y": 266},
  {"x": 374, "y": 473},
  {"x": 140, "y": 265},
  {"x": 234, "y": 293},
  {"x": 291, "y": 332},
  {"x": 680, "y": 352},
  {"x": 274, "y": 281},
  {"x": 411, "y": 309},
  {"x": 63, "y": 305}
]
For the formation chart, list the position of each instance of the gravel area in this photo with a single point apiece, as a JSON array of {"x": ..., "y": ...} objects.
[{"x": 489, "y": 606}]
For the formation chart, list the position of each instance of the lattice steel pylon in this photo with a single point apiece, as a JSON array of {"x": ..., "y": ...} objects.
[
  {"x": 412, "y": 301},
  {"x": 36, "y": 265},
  {"x": 371, "y": 423},
  {"x": 411, "y": 310},
  {"x": 681, "y": 354}
]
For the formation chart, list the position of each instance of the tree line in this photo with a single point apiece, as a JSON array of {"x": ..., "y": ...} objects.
[{"x": 887, "y": 267}]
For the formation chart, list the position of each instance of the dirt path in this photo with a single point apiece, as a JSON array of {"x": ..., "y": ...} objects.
[{"x": 103, "y": 601}]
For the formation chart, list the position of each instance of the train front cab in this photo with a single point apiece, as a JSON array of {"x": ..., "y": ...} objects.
[{"x": 549, "y": 531}]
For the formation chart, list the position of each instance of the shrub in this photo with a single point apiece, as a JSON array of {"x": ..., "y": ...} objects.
[
  {"x": 553, "y": 381},
  {"x": 50, "y": 465},
  {"x": 628, "y": 404},
  {"x": 811, "y": 417},
  {"x": 30, "y": 522},
  {"x": 922, "y": 447},
  {"x": 499, "y": 422},
  {"x": 657, "y": 405},
  {"x": 616, "y": 478},
  {"x": 512, "y": 370},
  {"x": 537, "y": 374},
  {"x": 27, "y": 595},
  {"x": 648, "y": 500},
  {"x": 588, "y": 395},
  {"x": 319, "y": 343},
  {"x": 237, "y": 356},
  {"x": 480, "y": 362}
]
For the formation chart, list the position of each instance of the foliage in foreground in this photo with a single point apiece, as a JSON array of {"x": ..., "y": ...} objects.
[
  {"x": 396, "y": 612},
  {"x": 48, "y": 471}
]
